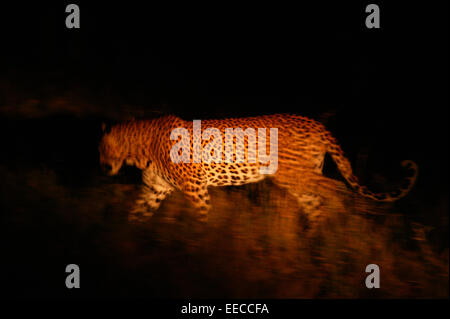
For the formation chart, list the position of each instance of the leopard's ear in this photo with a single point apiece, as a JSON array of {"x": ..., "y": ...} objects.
[{"x": 106, "y": 128}]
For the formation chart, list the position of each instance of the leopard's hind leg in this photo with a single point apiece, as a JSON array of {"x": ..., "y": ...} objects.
[{"x": 316, "y": 194}]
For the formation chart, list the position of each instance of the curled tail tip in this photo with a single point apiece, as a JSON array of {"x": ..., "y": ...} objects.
[
  {"x": 399, "y": 193},
  {"x": 414, "y": 170},
  {"x": 409, "y": 183},
  {"x": 410, "y": 164}
]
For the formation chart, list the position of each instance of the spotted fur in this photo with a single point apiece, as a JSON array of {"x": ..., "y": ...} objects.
[{"x": 302, "y": 145}]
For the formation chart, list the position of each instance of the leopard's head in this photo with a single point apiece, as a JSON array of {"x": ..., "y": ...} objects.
[{"x": 112, "y": 153}]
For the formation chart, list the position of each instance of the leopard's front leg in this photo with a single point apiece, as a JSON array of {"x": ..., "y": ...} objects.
[{"x": 154, "y": 191}]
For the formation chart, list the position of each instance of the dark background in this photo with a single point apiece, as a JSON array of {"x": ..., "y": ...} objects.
[
  {"x": 382, "y": 92},
  {"x": 384, "y": 87}
]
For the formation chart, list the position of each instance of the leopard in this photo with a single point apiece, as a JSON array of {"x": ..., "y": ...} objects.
[{"x": 302, "y": 146}]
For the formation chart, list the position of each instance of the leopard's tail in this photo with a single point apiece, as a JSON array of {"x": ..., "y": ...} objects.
[{"x": 345, "y": 168}]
